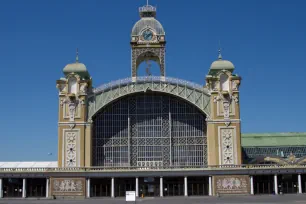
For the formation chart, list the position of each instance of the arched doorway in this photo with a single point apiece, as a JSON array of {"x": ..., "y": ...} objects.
[{"x": 149, "y": 130}]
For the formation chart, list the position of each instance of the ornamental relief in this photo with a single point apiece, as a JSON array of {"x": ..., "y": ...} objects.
[
  {"x": 67, "y": 186},
  {"x": 235, "y": 85},
  {"x": 227, "y": 151},
  {"x": 71, "y": 149},
  {"x": 62, "y": 88},
  {"x": 225, "y": 108},
  {"x": 232, "y": 184},
  {"x": 155, "y": 52},
  {"x": 71, "y": 108}
]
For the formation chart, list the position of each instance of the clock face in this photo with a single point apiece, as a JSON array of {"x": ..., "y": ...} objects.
[{"x": 147, "y": 35}]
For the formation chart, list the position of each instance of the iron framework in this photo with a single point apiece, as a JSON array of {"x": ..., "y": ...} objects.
[
  {"x": 107, "y": 93},
  {"x": 149, "y": 130}
]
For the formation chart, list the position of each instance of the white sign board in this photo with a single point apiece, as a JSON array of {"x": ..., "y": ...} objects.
[{"x": 130, "y": 196}]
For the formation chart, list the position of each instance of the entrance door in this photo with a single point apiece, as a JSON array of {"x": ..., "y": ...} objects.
[
  {"x": 12, "y": 187},
  {"x": 149, "y": 187},
  {"x": 288, "y": 184}
]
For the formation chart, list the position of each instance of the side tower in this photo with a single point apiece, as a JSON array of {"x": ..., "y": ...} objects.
[
  {"x": 224, "y": 137},
  {"x": 73, "y": 130},
  {"x": 148, "y": 40}
]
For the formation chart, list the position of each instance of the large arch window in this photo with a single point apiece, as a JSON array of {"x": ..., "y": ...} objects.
[{"x": 149, "y": 130}]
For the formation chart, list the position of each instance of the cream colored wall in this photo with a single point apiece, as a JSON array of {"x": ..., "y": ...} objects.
[
  {"x": 215, "y": 122},
  {"x": 82, "y": 144},
  {"x": 80, "y": 123}
]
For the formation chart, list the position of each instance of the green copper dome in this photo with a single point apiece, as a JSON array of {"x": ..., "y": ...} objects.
[
  {"x": 76, "y": 67},
  {"x": 221, "y": 64}
]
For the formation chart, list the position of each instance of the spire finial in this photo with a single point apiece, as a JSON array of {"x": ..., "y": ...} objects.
[
  {"x": 220, "y": 55},
  {"x": 219, "y": 51},
  {"x": 147, "y": 2},
  {"x": 77, "y": 55}
]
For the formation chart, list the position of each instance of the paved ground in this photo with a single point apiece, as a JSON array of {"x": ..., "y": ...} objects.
[{"x": 271, "y": 199}]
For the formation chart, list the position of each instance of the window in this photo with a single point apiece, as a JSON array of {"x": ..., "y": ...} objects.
[
  {"x": 72, "y": 85},
  {"x": 224, "y": 81}
]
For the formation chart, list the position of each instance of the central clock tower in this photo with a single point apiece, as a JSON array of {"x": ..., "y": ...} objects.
[{"x": 148, "y": 41}]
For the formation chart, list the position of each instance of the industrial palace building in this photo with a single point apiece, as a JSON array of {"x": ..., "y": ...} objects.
[{"x": 158, "y": 136}]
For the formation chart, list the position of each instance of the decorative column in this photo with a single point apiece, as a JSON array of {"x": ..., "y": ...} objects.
[
  {"x": 300, "y": 183},
  {"x": 47, "y": 187},
  {"x": 1, "y": 188},
  {"x": 210, "y": 186},
  {"x": 88, "y": 188},
  {"x": 137, "y": 190},
  {"x": 24, "y": 188},
  {"x": 252, "y": 185},
  {"x": 161, "y": 187},
  {"x": 275, "y": 184},
  {"x": 185, "y": 186},
  {"x": 113, "y": 188}
]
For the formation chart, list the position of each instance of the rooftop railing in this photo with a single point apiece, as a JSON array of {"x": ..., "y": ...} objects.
[
  {"x": 146, "y": 79},
  {"x": 147, "y": 8},
  {"x": 143, "y": 169}
]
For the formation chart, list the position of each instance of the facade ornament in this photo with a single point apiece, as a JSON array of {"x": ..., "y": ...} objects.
[
  {"x": 64, "y": 101},
  {"x": 227, "y": 123},
  {"x": 72, "y": 125},
  {"x": 291, "y": 158},
  {"x": 216, "y": 99},
  {"x": 148, "y": 53},
  {"x": 235, "y": 85},
  {"x": 72, "y": 107},
  {"x": 235, "y": 98},
  {"x": 208, "y": 85},
  {"x": 215, "y": 85},
  {"x": 82, "y": 102},
  {"x": 226, "y": 109},
  {"x": 83, "y": 88},
  {"x": 71, "y": 149},
  {"x": 67, "y": 185},
  {"x": 61, "y": 87},
  {"x": 232, "y": 185},
  {"x": 227, "y": 147}
]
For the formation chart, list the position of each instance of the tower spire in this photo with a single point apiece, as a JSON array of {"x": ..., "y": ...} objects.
[
  {"x": 220, "y": 55},
  {"x": 219, "y": 51},
  {"x": 77, "y": 55}
]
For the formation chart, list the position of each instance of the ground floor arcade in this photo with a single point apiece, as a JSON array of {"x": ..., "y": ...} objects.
[{"x": 153, "y": 186}]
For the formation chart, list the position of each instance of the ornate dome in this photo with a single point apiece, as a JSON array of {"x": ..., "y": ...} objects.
[
  {"x": 147, "y": 14},
  {"x": 148, "y": 22},
  {"x": 221, "y": 64},
  {"x": 75, "y": 67}
]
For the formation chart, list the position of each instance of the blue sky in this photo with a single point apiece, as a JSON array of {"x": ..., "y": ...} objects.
[{"x": 264, "y": 39}]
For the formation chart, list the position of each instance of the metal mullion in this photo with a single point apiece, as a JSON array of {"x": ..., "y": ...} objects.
[{"x": 129, "y": 132}]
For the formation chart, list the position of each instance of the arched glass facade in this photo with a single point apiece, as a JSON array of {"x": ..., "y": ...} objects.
[{"x": 149, "y": 130}]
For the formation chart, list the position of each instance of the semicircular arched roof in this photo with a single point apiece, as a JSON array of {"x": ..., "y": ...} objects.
[{"x": 107, "y": 93}]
